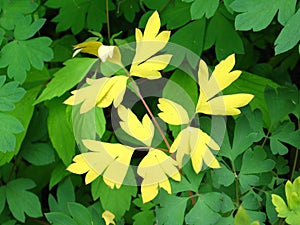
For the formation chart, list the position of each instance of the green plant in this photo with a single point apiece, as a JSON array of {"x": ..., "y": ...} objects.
[{"x": 39, "y": 135}]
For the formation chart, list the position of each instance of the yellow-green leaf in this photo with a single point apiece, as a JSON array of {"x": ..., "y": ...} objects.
[
  {"x": 108, "y": 217},
  {"x": 155, "y": 169},
  {"x": 197, "y": 144},
  {"x": 142, "y": 131},
  {"x": 101, "y": 92},
  {"x": 280, "y": 206},
  {"x": 110, "y": 160},
  {"x": 145, "y": 64},
  {"x": 172, "y": 113},
  {"x": 210, "y": 86}
]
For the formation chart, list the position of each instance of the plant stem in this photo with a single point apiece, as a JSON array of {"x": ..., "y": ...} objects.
[
  {"x": 136, "y": 88},
  {"x": 266, "y": 138},
  {"x": 107, "y": 20},
  {"x": 296, "y": 157}
]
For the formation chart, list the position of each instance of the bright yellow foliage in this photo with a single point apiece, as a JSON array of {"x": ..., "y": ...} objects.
[
  {"x": 142, "y": 131},
  {"x": 155, "y": 168},
  {"x": 100, "y": 92},
  {"x": 210, "y": 86},
  {"x": 108, "y": 217},
  {"x": 172, "y": 113},
  {"x": 110, "y": 160},
  {"x": 145, "y": 64},
  {"x": 195, "y": 143}
]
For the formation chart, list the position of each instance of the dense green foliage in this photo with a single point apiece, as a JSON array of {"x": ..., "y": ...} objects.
[{"x": 259, "y": 152}]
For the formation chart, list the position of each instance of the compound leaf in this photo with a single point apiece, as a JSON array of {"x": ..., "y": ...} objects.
[
  {"x": 13, "y": 11},
  {"x": 10, "y": 125},
  {"x": 258, "y": 14},
  {"x": 200, "y": 8},
  {"x": 18, "y": 56},
  {"x": 21, "y": 201},
  {"x": 221, "y": 33},
  {"x": 117, "y": 201},
  {"x": 289, "y": 36},
  {"x": 171, "y": 210},
  {"x": 59, "y": 218},
  {"x": 10, "y": 93}
]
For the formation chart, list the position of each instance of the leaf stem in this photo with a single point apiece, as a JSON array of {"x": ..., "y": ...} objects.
[
  {"x": 296, "y": 158},
  {"x": 136, "y": 88},
  {"x": 107, "y": 19}
]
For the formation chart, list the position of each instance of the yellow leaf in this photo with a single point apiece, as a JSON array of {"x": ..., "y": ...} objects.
[
  {"x": 110, "y": 160},
  {"x": 142, "y": 131},
  {"x": 223, "y": 105},
  {"x": 210, "y": 86},
  {"x": 108, "y": 217},
  {"x": 149, "y": 69},
  {"x": 197, "y": 144},
  {"x": 90, "y": 47},
  {"x": 145, "y": 64},
  {"x": 155, "y": 169},
  {"x": 96, "y": 48},
  {"x": 172, "y": 113},
  {"x": 101, "y": 92}
]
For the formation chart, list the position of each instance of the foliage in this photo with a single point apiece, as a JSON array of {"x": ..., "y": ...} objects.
[{"x": 193, "y": 166}]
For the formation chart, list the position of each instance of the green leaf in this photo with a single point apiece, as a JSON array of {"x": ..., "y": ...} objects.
[
  {"x": 202, "y": 214},
  {"x": 80, "y": 214},
  {"x": 58, "y": 173},
  {"x": 65, "y": 193},
  {"x": 60, "y": 130},
  {"x": 145, "y": 217},
  {"x": 2, "y": 198},
  {"x": 289, "y": 36},
  {"x": 255, "y": 162},
  {"x": 13, "y": 11},
  {"x": 129, "y": 9},
  {"x": 176, "y": 14},
  {"x": 171, "y": 205},
  {"x": 23, "y": 112},
  {"x": 38, "y": 154},
  {"x": 66, "y": 78},
  {"x": 190, "y": 36},
  {"x": 59, "y": 218},
  {"x": 90, "y": 13},
  {"x": 61, "y": 48},
  {"x": 25, "y": 29},
  {"x": 253, "y": 84},
  {"x": 258, "y": 14},
  {"x": 242, "y": 217},
  {"x": 199, "y": 8},
  {"x": 186, "y": 90},
  {"x": 117, "y": 201},
  {"x": 221, "y": 33},
  {"x": 10, "y": 93},
  {"x": 155, "y": 4},
  {"x": 9, "y": 126},
  {"x": 279, "y": 104},
  {"x": 244, "y": 136},
  {"x": 18, "y": 56},
  {"x": 222, "y": 176},
  {"x": 284, "y": 133},
  {"x": 21, "y": 201}
]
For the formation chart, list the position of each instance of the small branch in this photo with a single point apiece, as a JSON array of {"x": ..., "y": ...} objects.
[
  {"x": 296, "y": 158},
  {"x": 107, "y": 20},
  {"x": 136, "y": 88}
]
